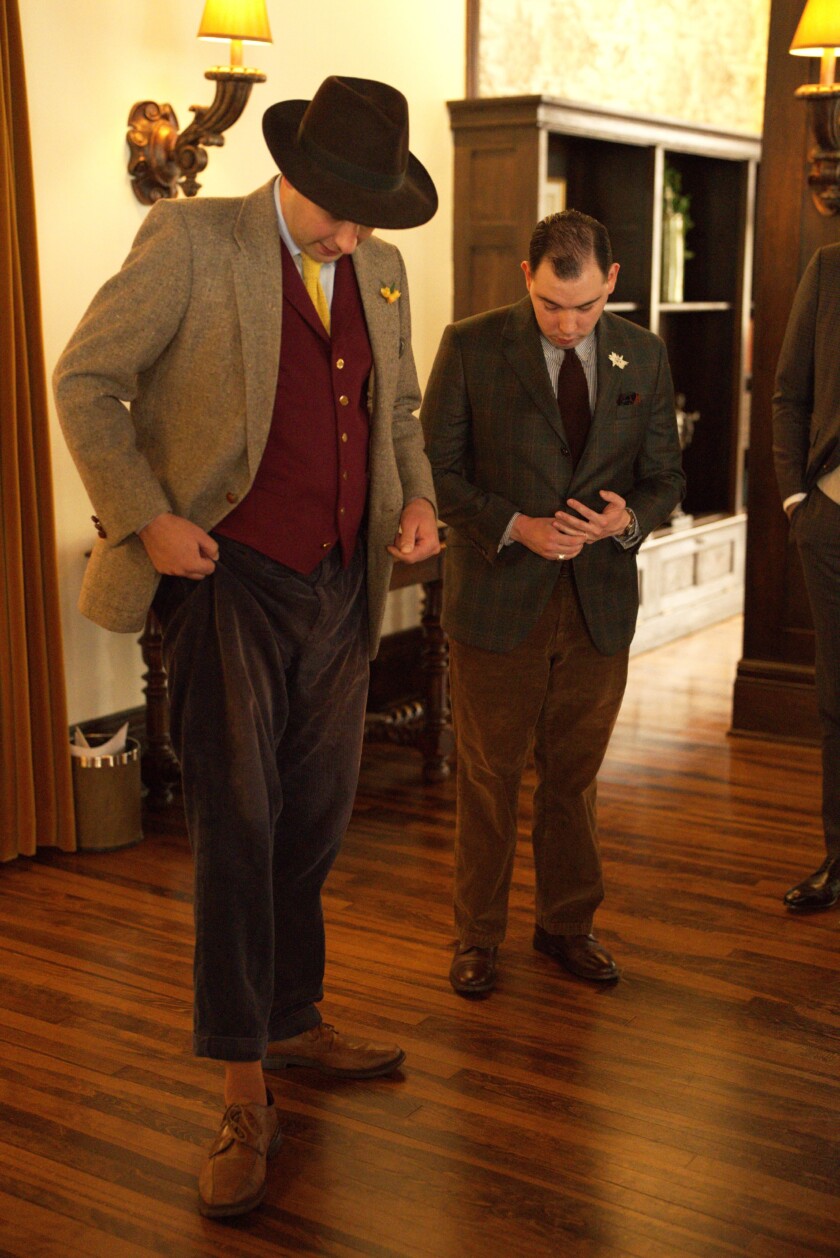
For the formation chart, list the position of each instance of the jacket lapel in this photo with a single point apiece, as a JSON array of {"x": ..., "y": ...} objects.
[
  {"x": 376, "y": 311},
  {"x": 611, "y": 375},
  {"x": 523, "y": 350},
  {"x": 612, "y": 380},
  {"x": 258, "y": 287}
]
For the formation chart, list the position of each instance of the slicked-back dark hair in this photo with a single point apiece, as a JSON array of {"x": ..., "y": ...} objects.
[{"x": 568, "y": 240}]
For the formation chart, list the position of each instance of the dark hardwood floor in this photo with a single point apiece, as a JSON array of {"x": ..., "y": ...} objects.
[{"x": 691, "y": 1110}]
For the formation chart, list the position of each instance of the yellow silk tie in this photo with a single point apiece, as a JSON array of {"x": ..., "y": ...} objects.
[{"x": 312, "y": 284}]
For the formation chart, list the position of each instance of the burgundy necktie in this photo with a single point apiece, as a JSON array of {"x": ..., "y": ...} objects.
[{"x": 573, "y": 400}]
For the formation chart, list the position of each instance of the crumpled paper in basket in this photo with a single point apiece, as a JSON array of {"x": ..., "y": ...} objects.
[{"x": 115, "y": 744}]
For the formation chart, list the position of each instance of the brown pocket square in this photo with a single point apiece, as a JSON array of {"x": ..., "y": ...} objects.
[{"x": 629, "y": 399}]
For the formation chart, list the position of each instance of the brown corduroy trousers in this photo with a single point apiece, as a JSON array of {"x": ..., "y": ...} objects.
[{"x": 558, "y": 692}]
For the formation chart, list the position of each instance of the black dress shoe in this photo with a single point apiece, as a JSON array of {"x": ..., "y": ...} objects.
[
  {"x": 819, "y": 891},
  {"x": 581, "y": 955},
  {"x": 473, "y": 971}
]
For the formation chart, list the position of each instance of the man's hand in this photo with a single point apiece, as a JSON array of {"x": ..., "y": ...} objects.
[
  {"x": 546, "y": 537},
  {"x": 179, "y": 548},
  {"x": 417, "y": 536},
  {"x": 593, "y": 526}
]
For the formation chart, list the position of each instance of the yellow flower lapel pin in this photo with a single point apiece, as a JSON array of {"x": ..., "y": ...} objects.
[
  {"x": 618, "y": 361},
  {"x": 390, "y": 294}
]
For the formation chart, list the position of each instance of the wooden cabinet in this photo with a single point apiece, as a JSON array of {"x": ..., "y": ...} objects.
[
  {"x": 520, "y": 158},
  {"x": 689, "y": 579}
]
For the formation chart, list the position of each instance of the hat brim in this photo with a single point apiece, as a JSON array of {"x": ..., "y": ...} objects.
[{"x": 413, "y": 203}]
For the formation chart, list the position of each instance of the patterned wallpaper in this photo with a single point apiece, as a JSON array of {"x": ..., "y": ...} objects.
[{"x": 697, "y": 62}]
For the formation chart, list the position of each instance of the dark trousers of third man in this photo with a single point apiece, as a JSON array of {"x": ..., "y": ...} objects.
[{"x": 816, "y": 529}]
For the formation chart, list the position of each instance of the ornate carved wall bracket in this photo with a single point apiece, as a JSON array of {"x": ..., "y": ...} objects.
[
  {"x": 162, "y": 159},
  {"x": 824, "y": 173}
]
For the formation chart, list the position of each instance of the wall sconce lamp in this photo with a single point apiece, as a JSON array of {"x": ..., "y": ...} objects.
[
  {"x": 818, "y": 35},
  {"x": 162, "y": 158}
]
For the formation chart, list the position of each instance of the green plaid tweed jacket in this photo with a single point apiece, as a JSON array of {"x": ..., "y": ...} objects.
[{"x": 496, "y": 444}]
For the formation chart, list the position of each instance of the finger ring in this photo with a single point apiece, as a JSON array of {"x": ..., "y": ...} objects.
[{"x": 561, "y": 556}]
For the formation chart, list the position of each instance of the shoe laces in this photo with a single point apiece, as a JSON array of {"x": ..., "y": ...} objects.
[{"x": 242, "y": 1124}]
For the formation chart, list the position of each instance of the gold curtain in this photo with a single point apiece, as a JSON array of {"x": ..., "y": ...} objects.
[{"x": 36, "y": 797}]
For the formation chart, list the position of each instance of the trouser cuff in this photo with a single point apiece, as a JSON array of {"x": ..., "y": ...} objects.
[
  {"x": 294, "y": 1024},
  {"x": 570, "y": 926},
  {"x": 479, "y": 941},
  {"x": 228, "y": 1048}
]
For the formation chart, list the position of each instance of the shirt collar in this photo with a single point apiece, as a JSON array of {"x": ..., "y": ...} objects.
[
  {"x": 289, "y": 241},
  {"x": 585, "y": 350},
  {"x": 286, "y": 235}
]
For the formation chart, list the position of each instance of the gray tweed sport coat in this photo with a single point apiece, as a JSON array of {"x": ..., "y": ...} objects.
[
  {"x": 166, "y": 390},
  {"x": 497, "y": 445}
]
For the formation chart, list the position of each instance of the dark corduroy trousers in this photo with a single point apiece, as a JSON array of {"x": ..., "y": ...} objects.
[
  {"x": 268, "y": 676},
  {"x": 816, "y": 529},
  {"x": 557, "y": 691}
]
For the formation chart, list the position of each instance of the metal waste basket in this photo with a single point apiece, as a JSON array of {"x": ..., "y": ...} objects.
[{"x": 106, "y": 793}]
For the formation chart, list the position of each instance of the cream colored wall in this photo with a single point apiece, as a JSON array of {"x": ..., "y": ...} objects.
[
  {"x": 87, "y": 62},
  {"x": 701, "y": 62}
]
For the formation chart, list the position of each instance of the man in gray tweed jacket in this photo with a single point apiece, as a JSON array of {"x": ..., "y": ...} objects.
[{"x": 255, "y": 489}]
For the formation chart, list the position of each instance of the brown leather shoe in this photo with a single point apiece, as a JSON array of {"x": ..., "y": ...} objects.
[
  {"x": 473, "y": 970},
  {"x": 582, "y": 955},
  {"x": 325, "y": 1049},
  {"x": 232, "y": 1180}
]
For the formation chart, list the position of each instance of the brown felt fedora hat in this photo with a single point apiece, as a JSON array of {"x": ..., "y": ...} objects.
[{"x": 347, "y": 150}]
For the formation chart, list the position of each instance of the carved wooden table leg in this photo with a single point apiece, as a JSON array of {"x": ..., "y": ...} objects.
[
  {"x": 435, "y": 741},
  {"x": 160, "y": 770}
]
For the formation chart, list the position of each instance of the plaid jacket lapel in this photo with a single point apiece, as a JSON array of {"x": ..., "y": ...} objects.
[
  {"x": 613, "y": 380},
  {"x": 523, "y": 351},
  {"x": 610, "y": 375}
]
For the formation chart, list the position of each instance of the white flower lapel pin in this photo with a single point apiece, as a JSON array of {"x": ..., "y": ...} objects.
[
  {"x": 390, "y": 294},
  {"x": 618, "y": 361}
]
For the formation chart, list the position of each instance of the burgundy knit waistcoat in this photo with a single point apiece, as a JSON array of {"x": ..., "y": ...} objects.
[{"x": 310, "y": 489}]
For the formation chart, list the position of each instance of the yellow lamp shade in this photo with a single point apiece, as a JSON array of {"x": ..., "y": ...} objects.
[
  {"x": 235, "y": 19},
  {"x": 818, "y": 29}
]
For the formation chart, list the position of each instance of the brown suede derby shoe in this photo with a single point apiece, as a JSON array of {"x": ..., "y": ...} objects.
[
  {"x": 819, "y": 891},
  {"x": 325, "y": 1049},
  {"x": 232, "y": 1180},
  {"x": 582, "y": 955},
  {"x": 473, "y": 971}
]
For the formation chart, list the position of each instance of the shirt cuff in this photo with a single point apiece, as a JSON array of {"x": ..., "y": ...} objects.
[
  {"x": 792, "y": 498},
  {"x": 507, "y": 540},
  {"x": 632, "y": 539}
]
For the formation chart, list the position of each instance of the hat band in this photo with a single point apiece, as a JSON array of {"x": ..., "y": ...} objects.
[{"x": 369, "y": 179}]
